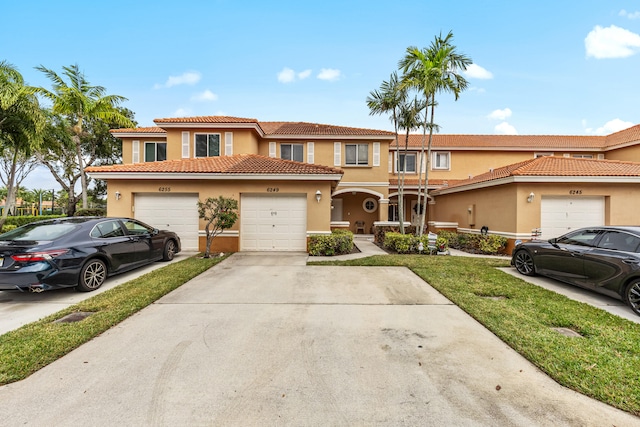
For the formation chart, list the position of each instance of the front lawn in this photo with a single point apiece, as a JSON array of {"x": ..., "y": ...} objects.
[{"x": 604, "y": 363}]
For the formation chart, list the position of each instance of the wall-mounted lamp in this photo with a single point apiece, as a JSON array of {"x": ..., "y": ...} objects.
[
  {"x": 318, "y": 196},
  {"x": 118, "y": 195},
  {"x": 531, "y": 197}
]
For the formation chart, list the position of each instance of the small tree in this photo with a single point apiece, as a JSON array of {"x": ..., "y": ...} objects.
[{"x": 219, "y": 213}]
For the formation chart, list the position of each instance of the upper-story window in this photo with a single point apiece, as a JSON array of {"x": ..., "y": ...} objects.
[
  {"x": 207, "y": 144},
  {"x": 582, "y": 156},
  {"x": 410, "y": 162},
  {"x": 441, "y": 160},
  {"x": 356, "y": 154},
  {"x": 155, "y": 151},
  {"x": 540, "y": 154},
  {"x": 291, "y": 152}
]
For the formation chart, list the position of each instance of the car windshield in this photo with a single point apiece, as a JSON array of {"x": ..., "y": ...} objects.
[{"x": 38, "y": 232}]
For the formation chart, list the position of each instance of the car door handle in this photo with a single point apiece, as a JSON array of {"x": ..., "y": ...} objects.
[{"x": 631, "y": 260}]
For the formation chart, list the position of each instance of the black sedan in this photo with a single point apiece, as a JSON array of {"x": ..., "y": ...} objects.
[
  {"x": 79, "y": 252},
  {"x": 604, "y": 259}
]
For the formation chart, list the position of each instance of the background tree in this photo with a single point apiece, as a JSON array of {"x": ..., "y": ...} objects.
[
  {"x": 431, "y": 71},
  {"x": 219, "y": 214},
  {"x": 21, "y": 124},
  {"x": 81, "y": 103}
]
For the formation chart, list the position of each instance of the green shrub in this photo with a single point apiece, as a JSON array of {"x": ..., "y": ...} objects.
[
  {"x": 8, "y": 227},
  {"x": 20, "y": 220},
  {"x": 90, "y": 212},
  {"x": 339, "y": 242},
  {"x": 475, "y": 243}
]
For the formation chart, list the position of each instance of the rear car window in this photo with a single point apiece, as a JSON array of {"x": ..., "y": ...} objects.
[{"x": 38, "y": 232}]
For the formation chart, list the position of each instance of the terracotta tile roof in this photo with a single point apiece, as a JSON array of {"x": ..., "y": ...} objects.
[
  {"x": 151, "y": 129},
  {"x": 557, "y": 166},
  {"x": 304, "y": 128},
  {"x": 624, "y": 136},
  {"x": 539, "y": 142},
  {"x": 237, "y": 164},
  {"x": 206, "y": 119}
]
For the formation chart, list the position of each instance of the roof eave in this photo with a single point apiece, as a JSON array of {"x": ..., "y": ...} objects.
[{"x": 213, "y": 176}]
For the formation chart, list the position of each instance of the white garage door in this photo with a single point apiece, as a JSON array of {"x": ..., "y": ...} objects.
[
  {"x": 175, "y": 212},
  {"x": 559, "y": 215},
  {"x": 273, "y": 223}
]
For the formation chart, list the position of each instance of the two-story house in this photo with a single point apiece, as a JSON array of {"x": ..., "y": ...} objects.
[{"x": 296, "y": 179}]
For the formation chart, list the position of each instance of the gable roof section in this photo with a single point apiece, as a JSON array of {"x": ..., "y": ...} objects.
[
  {"x": 152, "y": 131},
  {"x": 246, "y": 165},
  {"x": 545, "y": 169},
  {"x": 627, "y": 136}
]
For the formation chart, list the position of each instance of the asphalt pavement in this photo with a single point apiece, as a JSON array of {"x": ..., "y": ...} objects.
[{"x": 264, "y": 339}]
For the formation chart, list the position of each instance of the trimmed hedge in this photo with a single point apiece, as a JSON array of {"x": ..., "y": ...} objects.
[
  {"x": 17, "y": 221},
  {"x": 475, "y": 243},
  {"x": 409, "y": 244},
  {"x": 339, "y": 242},
  {"x": 90, "y": 212}
]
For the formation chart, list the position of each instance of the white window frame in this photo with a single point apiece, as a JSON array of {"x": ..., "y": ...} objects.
[
  {"x": 292, "y": 146},
  {"x": 155, "y": 151},
  {"x": 195, "y": 138},
  {"x": 436, "y": 164},
  {"x": 582, "y": 156},
  {"x": 358, "y": 161},
  {"x": 415, "y": 164},
  {"x": 368, "y": 200},
  {"x": 542, "y": 154}
]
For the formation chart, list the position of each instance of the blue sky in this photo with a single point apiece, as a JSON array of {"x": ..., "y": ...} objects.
[{"x": 539, "y": 67}]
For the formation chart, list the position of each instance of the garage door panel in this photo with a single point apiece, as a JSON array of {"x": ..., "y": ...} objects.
[
  {"x": 273, "y": 223},
  {"x": 175, "y": 212},
  {"x": 559, "y": 215}
]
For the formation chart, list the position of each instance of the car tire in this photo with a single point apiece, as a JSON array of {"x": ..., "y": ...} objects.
[
  {"x": 169, "y": 250},
  {"x": 632, "y": 296},
  {"x": 92, "y": 275},
  {"x": 523, "y": 261}
]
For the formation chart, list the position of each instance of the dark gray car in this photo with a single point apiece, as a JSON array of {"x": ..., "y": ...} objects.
[
  {"x": 604, "y": 259},
  {"x": 79, "y": 252}
]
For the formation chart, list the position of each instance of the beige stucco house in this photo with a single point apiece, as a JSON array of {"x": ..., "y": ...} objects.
[{"x": 296, "y": 179}]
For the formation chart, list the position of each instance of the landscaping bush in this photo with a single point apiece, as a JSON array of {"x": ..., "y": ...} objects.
[
  {"x": 475, "y": 243},
  {"x": 410, "y": 244},
  {"x": 17, "y": 221},
  {"x": 379, "y": 232},
  {"x": 339, "y": 242},
  {"x": 91, "y": 212}
]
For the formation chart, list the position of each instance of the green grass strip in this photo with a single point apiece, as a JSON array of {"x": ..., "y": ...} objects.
[
  {"x": 603, "y": 364},
  {"x": 33, "y": 346}
]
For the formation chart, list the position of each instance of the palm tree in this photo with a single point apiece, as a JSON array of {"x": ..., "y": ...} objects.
[
  {"x": 433, "y": 70},
  {"x": 389, "y": 99},
  {"x": 82, "y": 103},
  {"x": 21, "y": 124}
]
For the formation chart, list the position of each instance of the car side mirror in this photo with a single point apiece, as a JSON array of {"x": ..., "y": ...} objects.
[
  {"x": 155, "y": 231},
  {"x": 554, "y": 242}
]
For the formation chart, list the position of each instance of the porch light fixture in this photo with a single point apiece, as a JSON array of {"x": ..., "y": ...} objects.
[
  {"x": 531, "y": 197},
  {"x": 318, "y": 196},
  {"x": 118, "y": 195}
]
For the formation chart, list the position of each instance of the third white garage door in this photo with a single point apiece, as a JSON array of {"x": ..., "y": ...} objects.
[
  {"x": 273, "y": 223},
  {"x": 559, "y": 215}
]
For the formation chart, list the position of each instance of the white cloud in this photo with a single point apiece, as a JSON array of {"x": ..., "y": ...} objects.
[
  {"x": 474, "y": 71},
  {"x": 207, "y": 95},
  {"x": 610, "y": 127},
  {"x": 611, "y": 42},
  {"x": 182, "y": 112},
  {"x": 505, "y": 128},
  {"x": 500, "y": 114},
  {"x": 329, "y": 74},
  {"x": 304, "y": 74},
  {"x": 187, "y": 78},
  {"x": 630, "y": 15},
  {"x": 287, "y": 75}
]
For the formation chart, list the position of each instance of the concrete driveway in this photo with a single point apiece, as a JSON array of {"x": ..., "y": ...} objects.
[{"x": 263, "y": 339}]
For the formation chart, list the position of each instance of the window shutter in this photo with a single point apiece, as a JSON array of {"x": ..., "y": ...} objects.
[
  {"x": 600, "y": 156},
  {"x": 391, "y": 157},
  {"x": 310, "y": 154},
  {"x": 423, "y": 158},
  {"x": 272, "y": 149},
  {"x": 228, "y": 143},
  {"x": 337, "y": 148},
  {"x": 376, "y": 154},
  {"x": 185, "y": 145},
  {"x": 135, "y": 153}
]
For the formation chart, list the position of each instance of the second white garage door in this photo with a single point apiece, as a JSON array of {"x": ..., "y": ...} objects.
[
  {"x": 559, "y": 215},
  {"x": 175, "y": 212},
  {"x": 273, "y": 223}
]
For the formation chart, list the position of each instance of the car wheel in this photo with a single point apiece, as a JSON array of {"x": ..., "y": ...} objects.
[
  {"x": 92, "y": 276},
  {"x": 632, "y": 296},
  {"x": 169, "y": 250},
  {"x": 523, "y": 262}
]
